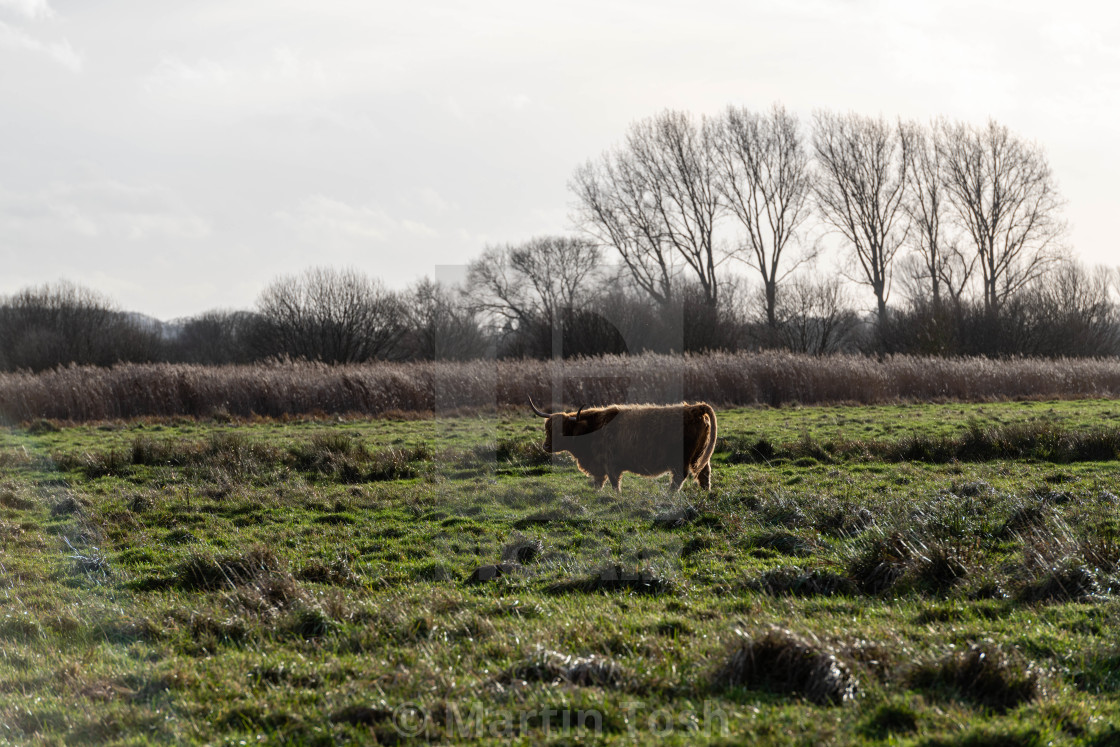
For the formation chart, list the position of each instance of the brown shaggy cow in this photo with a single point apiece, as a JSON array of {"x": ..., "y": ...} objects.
[{"x": 647, "y": 440}]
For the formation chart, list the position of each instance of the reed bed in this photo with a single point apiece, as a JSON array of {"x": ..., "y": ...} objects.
[{"x": 80, "y": 393}]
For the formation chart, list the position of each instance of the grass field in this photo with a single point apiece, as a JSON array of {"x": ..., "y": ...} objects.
[{"x": 909, "y": 574}]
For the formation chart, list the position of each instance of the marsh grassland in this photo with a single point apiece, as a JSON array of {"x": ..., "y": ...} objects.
[{"x": 905, "y": 574}]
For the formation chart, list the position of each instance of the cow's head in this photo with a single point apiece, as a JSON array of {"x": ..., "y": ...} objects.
[{"x": 564, "y": 425}]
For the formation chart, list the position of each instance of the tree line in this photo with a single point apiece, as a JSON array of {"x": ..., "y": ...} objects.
[
  {"x": 966, "y": 215},
  {"x": 964, "y": 222}
]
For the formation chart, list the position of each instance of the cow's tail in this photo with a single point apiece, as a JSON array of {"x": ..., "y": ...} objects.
[{"x": 711, "y": 446}]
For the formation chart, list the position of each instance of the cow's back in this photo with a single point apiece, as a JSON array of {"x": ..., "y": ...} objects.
[{"x": 652, "y": 440}]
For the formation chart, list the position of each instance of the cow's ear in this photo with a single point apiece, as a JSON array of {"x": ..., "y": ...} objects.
[{"x": 582, "y": 427}]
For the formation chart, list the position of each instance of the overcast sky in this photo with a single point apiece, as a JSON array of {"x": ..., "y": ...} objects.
[{"x": 179, "y": 156}]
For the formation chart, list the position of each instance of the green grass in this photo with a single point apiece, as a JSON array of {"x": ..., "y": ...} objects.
[{"x": 323, "y": 581}]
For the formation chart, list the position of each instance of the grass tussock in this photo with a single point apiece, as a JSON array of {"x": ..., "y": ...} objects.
[
  {"x": 983, "y": 674},
  {"x": 782, "y": 543},
  {"x": 798, "y": 582},
  {"x": 675, "y": 517},
  {"x": 15, "y": 499},
  {"x": 885, "y": 562},
  {"x": 522, "y": 452},
  {"x": 231, "y": 453},
  {"x": 339, "y": 571},
  {"x": 615, "y": 578},
  {"x": 345, "y": 459},
  {"x": 888, "y": 719},
  {"x": 485, "y": 573},
  {"x": 881, "y": 562},
  {"x": 398, "y": 464},
  {"x": 523, "y": 550},
  {"x": 331, "y": 453},
  {"x": 784, "y": 662},
  {"x": 552, "y": 667},
  {"x": 1027, "y": 517},
  {"x": 307, "y": 622},
  {"x": 201, "y": 572},
  {"x": 68, "y": 504},
  {"x": 1070, "y": 581},
  {"x": 845, "y": 521},
  {"x": 1044, "y": 441},
  {"x": 1062, "y": 564},
  {"x": 90, "y": 561},
  {"x": 336, "y": 456},
  {"x": 279, "y": 389}
]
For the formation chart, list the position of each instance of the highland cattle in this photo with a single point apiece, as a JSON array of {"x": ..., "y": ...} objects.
[{"x": 648, "y": 440}]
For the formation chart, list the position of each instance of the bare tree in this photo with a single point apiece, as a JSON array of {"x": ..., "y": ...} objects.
[
  {"x": 616, "y": 209},
  {"x": 216, "y": 337},
  {"x": 944, "y": 267},
  {"x": 860, "y": 191},
  {"x": 535, "y": 279},
  {"x": 441, "y": 325},
  {"x": 528, "y": 288},
  {"x": 61, "y": 323},
  {"x": 1004, "y": 196},
  {"x": 336, "y": 316},
  {"x": 655, "y": 201},
  {"x": 1071, "y": 312},
  {"x": 815, "y": 316},
  {"x": 765, "y": 181}
]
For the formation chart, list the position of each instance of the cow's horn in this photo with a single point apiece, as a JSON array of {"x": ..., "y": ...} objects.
[
  {"x": 575, "y": 418},
  {"x": 538, "y": 412}
]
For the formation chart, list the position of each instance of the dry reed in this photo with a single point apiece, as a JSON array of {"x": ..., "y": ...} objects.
[{"x": 79, "y": 393}]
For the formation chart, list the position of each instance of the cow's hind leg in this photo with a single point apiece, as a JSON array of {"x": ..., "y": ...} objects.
[
  {"x": 616, "y": 482},
  {"x": 677, "y": 481},
  {"x": 704, "y": 477},
  {"x": 598, "y": 480}
]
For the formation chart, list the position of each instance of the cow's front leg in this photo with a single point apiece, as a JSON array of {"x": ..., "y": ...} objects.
[
  {"x": 616, "y": 482},
  {"x": 597, "y": 481}
]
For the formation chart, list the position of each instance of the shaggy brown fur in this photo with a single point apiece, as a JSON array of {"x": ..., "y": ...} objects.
[{"x": 647, "y": 440}]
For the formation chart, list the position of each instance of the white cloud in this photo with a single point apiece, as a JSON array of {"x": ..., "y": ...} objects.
[
  {"x": 418, "y": 229},
  {"x": 519, "y": 101},
  {"x": 285, "y": 70},
  {"x": 358, "y": 133},
  {"x": 172, "y": 72},
  {"x": 319, "y": 217},
  {"x": 61, "y": 51},
  {"x": 432, "y": 200},
  {"x": 34, "y": 9},
  {"x": 104, "y": 209}
]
